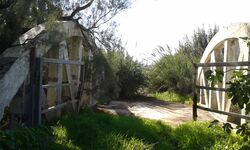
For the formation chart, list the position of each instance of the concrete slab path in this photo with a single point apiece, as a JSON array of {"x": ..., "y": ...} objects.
[{"x": 171, "y": 113}]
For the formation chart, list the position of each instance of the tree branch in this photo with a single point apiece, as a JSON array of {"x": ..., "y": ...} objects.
[
  {"x": 97, "y": 26},
  {"x": 77, "y": 10},
  {"x": 7, "y": 4}
]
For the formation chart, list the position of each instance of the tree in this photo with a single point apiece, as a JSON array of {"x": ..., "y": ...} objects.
[
  {"x": 174, "y": 71},
  {"x": 95, "y": 16},
  {"x": 18, "y": 16},
  {"x": 195, "y": 46}
]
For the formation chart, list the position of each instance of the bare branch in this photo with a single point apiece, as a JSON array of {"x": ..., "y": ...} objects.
[
  {"x": 96, "y": 22},
  {"x": 77, "y": 10},
  {"x": 97, "y": 26}
]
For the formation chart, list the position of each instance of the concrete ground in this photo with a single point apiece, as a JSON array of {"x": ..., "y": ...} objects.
[{"x": 171, "y": 113}]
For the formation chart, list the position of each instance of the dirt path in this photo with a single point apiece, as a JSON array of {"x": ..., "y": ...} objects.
[{"x": 172, "y": 113}]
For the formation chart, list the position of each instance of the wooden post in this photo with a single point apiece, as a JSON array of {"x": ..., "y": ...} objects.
[
  {"x": 32, "y": 85},
  {"x": 38, "y": 92},
  {"x": 60, "y": 78},
  {"x": 81, "y": 88},
  {"x": 194, "y": 93}
]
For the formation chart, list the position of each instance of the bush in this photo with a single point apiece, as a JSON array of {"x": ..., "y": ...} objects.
[
  {"x": 121, "y": 76},
  {"x": 172, "y": 73}
]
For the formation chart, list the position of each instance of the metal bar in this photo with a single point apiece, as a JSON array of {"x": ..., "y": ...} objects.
[
  {"x": 61, "y": 61},
  {"x": 224, "y": 113},
  {"x": 58, "y": 106},
  {"x": 211, "y": 88},
  {"x": 222, "y": 64}
]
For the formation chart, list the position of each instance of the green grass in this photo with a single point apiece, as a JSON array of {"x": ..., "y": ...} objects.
[
  {"x": 172, "y": 97},
  {"x": 90, "y": 130}
]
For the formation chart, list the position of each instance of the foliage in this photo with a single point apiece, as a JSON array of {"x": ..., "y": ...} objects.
[
  {"x": 89, "y": 130},
  {"x": 120, "y": 76},
  {"x": 20, "y": 16},
  {"x": 195, "y": 46},
  {"x": 172, "y": 97},
  {"x": 239, "y": 88},
  {"x": 173, "y": 72},
  {"x": 95, "y": 16},
  {"x": 243, "y": 130},
  {"x": 127, "y": 71},
  {"x": 214, "y": 77}
]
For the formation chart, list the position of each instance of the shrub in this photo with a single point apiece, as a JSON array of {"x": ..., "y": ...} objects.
[
  {"x": 120, "y": 75},
  {"x": 172, "y": 73}
]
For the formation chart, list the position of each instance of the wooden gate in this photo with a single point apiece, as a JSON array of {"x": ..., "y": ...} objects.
[
  {"x": 199, "y": 92},
  {"x": 39, "y": 92}
]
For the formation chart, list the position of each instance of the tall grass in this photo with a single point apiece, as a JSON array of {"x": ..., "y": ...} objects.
[
  {"x": 90, "y": 130},
  {"x": 172, "y": 97}
]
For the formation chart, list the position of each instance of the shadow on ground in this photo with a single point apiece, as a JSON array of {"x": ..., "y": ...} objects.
[
  {"x": 91, "y": 130},
  {"x": 148, "y": 107}
]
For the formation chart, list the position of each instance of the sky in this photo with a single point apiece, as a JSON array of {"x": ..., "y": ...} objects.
[{"x": 151, "y": 23}]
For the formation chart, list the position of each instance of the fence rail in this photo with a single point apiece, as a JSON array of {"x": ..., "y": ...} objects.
[
  {"x": 224, "y": 112},
  {"x": 197, "y": 87},
  {"x": 37, "y": 73},
  {"x": 223, "y": 64},
  {"x": 61, "y": 61}
]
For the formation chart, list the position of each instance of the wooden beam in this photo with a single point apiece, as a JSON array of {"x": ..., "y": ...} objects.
[
  {"x": 32, "y": 73},
  {"x": 223, "y": 64},
  {"x": 194, "y": 94},
  {"x": 61, "y": 61},
  {"x": 38, "y": 92},
  {"x": 224, "y": 113},
  {"x": 69, "y": 75},
  {"x": 224, "y": 80},
  {"x": 60, "y": 76},
  {"x": 56, "y": 85},
  {"x": 58, "y": 106},
  {"x": 211, "y": 88},
  {"x": 204, "y": 90},
  {"x": 80, "y": 52}
]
